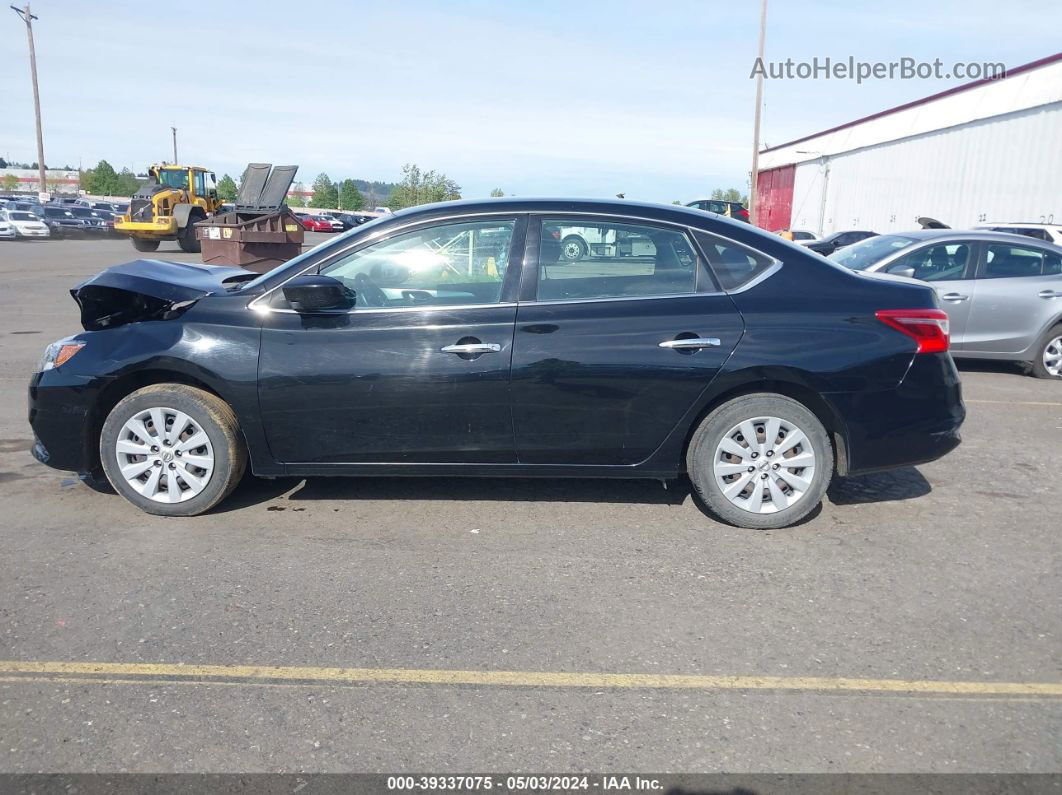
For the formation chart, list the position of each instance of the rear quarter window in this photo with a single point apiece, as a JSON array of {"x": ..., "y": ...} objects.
[{"x": 734, "y": 265}]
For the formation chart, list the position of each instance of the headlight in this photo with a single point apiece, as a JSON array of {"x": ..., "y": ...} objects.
[{"x": 59, "y": 353}]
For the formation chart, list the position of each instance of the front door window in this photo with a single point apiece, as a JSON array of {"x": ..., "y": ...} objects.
[{"x": 456, "y": 264}]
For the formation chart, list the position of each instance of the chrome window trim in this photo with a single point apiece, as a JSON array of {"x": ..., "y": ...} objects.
[
  {"x": 768, "y": 272},
  {"x": 689, "y": 230},
  {"x": 439, "y": 307}
]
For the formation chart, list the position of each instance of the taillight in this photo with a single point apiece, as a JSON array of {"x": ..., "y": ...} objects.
[{"x": 927, "y": 327}]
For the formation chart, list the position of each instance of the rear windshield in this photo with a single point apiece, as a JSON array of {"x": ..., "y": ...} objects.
[{"x": 860, "y": 256}]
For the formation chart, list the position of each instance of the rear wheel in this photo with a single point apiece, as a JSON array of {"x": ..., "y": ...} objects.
[
  {"x": 186, "y": 237},
  {"x": 1048, "y": 361},
  {"x": 145, "y": 245},
  {"x": 760, "y": 461},
  {"x": 172, "y": 449}
]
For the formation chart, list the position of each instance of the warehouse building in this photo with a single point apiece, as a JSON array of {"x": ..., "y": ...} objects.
[{"x": 990, "y": 150}]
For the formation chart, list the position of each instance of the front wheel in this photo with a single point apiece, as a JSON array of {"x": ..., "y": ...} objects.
[
  {"x": 1048, "y": 361},
  {"x": 760, "y": 461},
  {"x": 145, "y": 245},
  {"x": 172, "y": 449},
  {"x": 186, "y": 237}
]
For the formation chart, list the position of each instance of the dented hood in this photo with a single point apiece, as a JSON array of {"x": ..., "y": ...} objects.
[{"x": 149, "y": 289}]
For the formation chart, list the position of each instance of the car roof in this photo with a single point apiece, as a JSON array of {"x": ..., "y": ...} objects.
[
  {"x": 675, "y": 213},
  {"x": 965, "y": 234},
  {"x": 1022, "y": 224}
]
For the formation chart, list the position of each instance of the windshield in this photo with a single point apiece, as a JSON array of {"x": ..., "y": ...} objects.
[
  {"x": 173, "y": 178},
  {"x": 82, "y": 212},
  {"x": 860, "y": 256},
  {"x": 22, "y": 216}
]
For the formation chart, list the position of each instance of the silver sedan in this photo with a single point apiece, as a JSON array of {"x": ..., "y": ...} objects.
[{"x": 1002, "y": 292}]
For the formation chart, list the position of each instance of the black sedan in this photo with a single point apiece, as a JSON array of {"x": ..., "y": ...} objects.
[
  {"x": 831, "y": 243},
  {"x": 455, "y": 339}
]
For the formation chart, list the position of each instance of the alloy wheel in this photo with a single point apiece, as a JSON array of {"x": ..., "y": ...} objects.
[
  {"x": 1052, "y": 357},
  {"x": 764, "y": 464},
  {"x": 164, "y": 455}
]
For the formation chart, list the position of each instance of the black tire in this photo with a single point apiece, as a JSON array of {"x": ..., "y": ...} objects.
[
  {"x": 186, "y": 237},
  {"x": 1051, "y": 338},
  {"x": 145, "y": 245},
  {"x": 574, "y": 248},
  {"x": 701, "y": 457},
  {"x": 211, "y": 414}
]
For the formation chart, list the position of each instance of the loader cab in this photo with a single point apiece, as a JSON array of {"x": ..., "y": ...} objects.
[{"x": 197, "y": 181}]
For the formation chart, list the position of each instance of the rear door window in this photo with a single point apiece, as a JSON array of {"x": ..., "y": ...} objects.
[
  {"x": 1008, "y": 262},
  {"x": 584, "y": 260}
]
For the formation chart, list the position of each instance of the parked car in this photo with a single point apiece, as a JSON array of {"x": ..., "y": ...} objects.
[
  {"x": 1002, "y": 292},
  {"x": 62, "y": 222},
  {"x": 337, "y": 222},
  {"x": 838, "y": 240},
  {"x": 758, "y": 368},
  {"x": 108, "y": 206},
  {"x": 95, "y": 224},
  {"x": 803, "y": 236},
  {"x": 1051, "y": 233},
  {"x": 69, "y": 200},
  {"x": 121, "y": 208},
  {"x": 312, "y": 223},
  {"x": 7, "y": 230},
  {"x": 26, "y": 224},
  {"x": 729, "y": 209},
  {"x": 108, "y": 219}
]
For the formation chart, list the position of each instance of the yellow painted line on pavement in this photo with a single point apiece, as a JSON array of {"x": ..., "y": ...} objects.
[
  {"x": 1014, "y": 402},
  {"x": 257, "y": 673}
]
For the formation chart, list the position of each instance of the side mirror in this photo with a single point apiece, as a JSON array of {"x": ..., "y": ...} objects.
[
  {"x": 903, "y": 270},
  {"x": 314, "y": 293}
]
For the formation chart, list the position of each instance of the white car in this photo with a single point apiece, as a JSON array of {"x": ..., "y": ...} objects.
[
  {"x": 26, "y": 224},
  {"x": 803, "y": 236},
  {"x": 7, "y": 231},
  {"x": 1052, "y": 233}
]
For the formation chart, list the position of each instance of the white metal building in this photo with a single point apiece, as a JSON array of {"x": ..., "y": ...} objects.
[{"x": 990, "y": 150}]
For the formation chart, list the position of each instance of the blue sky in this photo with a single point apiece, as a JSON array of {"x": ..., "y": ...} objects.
[{"x": 545, "y": 98}]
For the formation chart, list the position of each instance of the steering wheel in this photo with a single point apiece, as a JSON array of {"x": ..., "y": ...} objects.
[{"x": 370, "y": 292}]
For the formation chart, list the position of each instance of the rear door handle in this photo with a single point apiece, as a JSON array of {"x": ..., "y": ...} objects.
[
  {"x": 1049, "y": 294},
  {"x": 473, "y": 347},
  {"x": 955, "y": 298},
  {"x": 691, "y": 344}
]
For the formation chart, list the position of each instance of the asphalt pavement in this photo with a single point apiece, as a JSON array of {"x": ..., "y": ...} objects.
[{"x": 913, "y": 624}]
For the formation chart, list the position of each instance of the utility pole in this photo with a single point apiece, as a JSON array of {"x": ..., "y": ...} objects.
[
  {"x": 753, "y": 204},
  {"x": 174, "y": 144},
  {"x": 28, "y": 18}
]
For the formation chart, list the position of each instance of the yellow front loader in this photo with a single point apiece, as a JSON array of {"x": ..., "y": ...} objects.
[{"x": 169, "y": 205}]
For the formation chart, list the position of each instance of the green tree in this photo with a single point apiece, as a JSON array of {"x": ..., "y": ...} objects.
[
  {"x": 325, "y": 195},
  {"x": 103, "y": 180},
  {"x": 730, "y": 195},
  {"x": 422, "y": 187},
  {"x": 127, "y": 183},
  {"x": 227, "y": 188},
  {"x": 350, "y": 197},
  {"x": 497, "y": 193},
  {"x": 10, "y": 182}
]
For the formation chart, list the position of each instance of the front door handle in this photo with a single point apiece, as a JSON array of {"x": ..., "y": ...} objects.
[
  {"x": 955, "y": 298},
  {"x": 693, "y": 344},
  {"x": 1050, "y": 294},
  {"x": 472, "y": 347}
]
